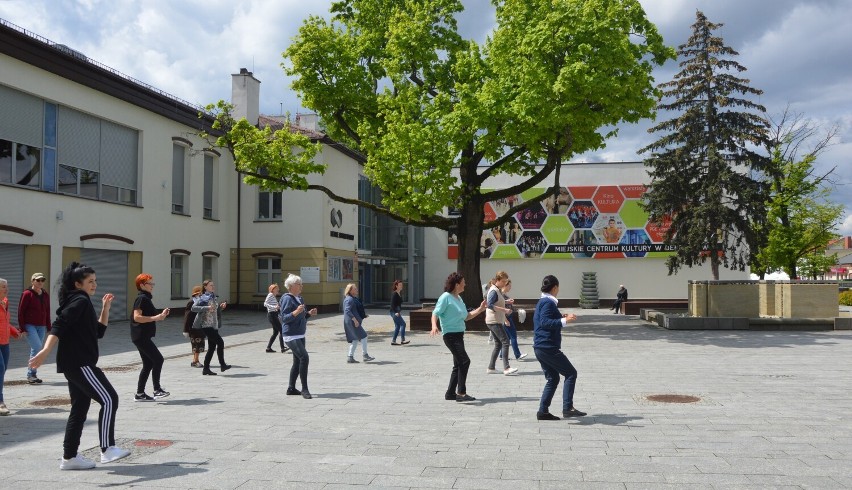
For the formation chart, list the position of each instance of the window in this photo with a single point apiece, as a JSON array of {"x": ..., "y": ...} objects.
[
  {"x": 340, "y": 269},
  {"x": 268, "y": 203},
  {"x": 78, "y": 182},
  {"x": 209, "y": 186},
  {"x": 100, "y": 158},
  {"x": 179, "y": 276},
  {"x": 20, "y": 164},
  {"x": 179, "y": 179},
  {"x": 208, "y": 265},
  {"x": 268, "y": 271}
]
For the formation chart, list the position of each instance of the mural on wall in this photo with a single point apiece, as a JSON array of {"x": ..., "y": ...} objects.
[{"x": 599, "y": 222}]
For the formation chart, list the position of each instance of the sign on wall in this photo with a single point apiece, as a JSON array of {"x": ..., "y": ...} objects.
[{"x": 577, "y": 222}]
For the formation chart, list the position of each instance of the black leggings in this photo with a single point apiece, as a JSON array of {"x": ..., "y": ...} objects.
[
  {"x": 85, "y": 384},
  {"x": 152, "y": 360},
  {"x": 461, "y": 363},
  {"x": 276, "y": 329},
  {"x": 214, "y": 340}
]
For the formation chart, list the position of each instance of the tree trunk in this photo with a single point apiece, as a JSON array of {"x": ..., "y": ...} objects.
[
  {"x": 714, "y": 265},
  {"x": 470, "y": 231}
]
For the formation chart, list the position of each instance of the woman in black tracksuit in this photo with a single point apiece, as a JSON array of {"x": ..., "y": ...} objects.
[
  {"x": 143, "y": 328},
  {"x": 77, "y": 330}
]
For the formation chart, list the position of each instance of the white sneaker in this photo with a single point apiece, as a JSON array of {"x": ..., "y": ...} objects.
[
  {"x": 490, "y": 371},
  {"x": 4, "y": 410},
  {"x": 78, "y": 462},
  {"x": 114, "y": 453},
  {"x": 522, "y": 356},
  {"x": 509, "y": 371}
]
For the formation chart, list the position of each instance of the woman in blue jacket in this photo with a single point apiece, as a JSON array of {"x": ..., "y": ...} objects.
[
  {"x": 548, "y": 323},
  {"x": 294, "y": 324},
  {"x": 353, "y": 323}
]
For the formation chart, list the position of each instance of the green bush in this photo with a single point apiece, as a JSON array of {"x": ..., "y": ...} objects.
[{"x": 846, "y": 298}]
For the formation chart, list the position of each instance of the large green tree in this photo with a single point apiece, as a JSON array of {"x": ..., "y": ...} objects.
[
  {"x": 701, "y": 167},
  {"x": 801, "y": 218},
  {"x": 437, "y": 115}
]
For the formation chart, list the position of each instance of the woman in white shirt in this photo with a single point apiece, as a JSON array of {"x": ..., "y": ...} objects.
[{"x": 271, "y": 304}]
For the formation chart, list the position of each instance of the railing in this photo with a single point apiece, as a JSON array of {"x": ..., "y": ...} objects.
[{"x": 82, "y": 57}]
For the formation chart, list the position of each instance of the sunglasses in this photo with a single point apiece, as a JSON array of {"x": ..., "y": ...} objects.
[{"x": 40, "y": 280}]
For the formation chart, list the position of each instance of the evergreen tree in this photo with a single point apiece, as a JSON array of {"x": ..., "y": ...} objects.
[{"x": 702, "y": 167}]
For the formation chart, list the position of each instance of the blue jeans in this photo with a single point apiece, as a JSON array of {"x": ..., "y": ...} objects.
[
  {"x": 299, "y": 369},
  {"x": 554, "y": 363},
  {"x": 398, "y": 326},
  {"x": 512, "y": 333},
  {"x": 35, "y": 337},
  {"x": 4, "y": 361}
]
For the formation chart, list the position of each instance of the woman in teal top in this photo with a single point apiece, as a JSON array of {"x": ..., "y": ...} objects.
[{"x": 452, "y": 312}]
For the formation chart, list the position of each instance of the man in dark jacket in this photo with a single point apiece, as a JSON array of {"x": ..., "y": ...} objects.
[{"x": 620, "y": 297}]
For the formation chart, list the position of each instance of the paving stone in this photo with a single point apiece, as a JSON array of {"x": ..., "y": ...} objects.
[{"x": 773, "y": 413}]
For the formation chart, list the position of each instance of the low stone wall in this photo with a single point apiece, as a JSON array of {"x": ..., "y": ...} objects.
[{"x": 755, "y": 299}]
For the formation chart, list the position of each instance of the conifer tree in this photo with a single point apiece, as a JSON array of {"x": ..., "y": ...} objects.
[{"x": 702, "y": 166}]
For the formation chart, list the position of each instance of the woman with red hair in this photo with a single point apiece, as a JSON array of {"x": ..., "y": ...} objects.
[{"x": 143, "y": 328}]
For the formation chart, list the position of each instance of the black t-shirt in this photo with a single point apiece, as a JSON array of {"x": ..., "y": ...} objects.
[{"x": 143, "y": 330}]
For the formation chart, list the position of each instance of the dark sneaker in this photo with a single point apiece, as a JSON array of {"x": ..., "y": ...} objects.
[
  {"x": 143, "y": 397},
  {"x": 306, "y": 395},
  {"x": 269, "y": 350},
  {"x": 225, "y": 367},
  {"x": 293, "y": 391},
  {"x": 160, "y": 394},
  {"x": 351, "y": 360},
  {"x": 33, "y": 380},
  {"x": 404, "y": 342},
  {"x": 449, "y": 396},
  {"x": 464, "y": 398},
  {"x": 545, "y": 416},
  {"x": 368, "y": 358},
  {"x": 284, "y": 349},
  {"x": 395, "y": 343},
  {"x": 573, "y": 413}
]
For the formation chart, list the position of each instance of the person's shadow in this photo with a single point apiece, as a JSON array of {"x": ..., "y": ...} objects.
[{"x": 151, "y": 472}]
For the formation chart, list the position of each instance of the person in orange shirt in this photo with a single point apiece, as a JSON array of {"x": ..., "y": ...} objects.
[{"x": 6, "y": 330}]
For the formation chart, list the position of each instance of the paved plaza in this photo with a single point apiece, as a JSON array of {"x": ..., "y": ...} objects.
[{"x": 775, "y": 411}]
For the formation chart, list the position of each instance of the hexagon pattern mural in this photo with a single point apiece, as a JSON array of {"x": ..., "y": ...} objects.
[{"x": 598, "y": 222}]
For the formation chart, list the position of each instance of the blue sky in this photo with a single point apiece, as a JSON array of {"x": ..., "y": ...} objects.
[{"x": 797, "y": 51}]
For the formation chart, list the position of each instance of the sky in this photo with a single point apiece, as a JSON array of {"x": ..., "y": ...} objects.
[{"x": 799, "y": 52}]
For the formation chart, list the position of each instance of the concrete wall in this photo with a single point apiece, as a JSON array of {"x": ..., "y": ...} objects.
[
  {"x": 808, "y": 300},
  {"x": 755, "y": 299}
]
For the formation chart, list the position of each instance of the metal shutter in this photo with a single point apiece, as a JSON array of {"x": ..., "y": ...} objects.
[
  {"x": 119, "y": 155},
  {"x": 12, "y": 270},
  {"x": 79, "y": 139},
  {"x": 20, "y": 117},
  {"x": 111, "y": 271}
]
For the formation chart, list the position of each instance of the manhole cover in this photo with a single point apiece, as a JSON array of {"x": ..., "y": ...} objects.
[
  {"x": 53, "y": 401},
  {"x": 152, "y": 443},
  {"x": 119, "y": 369},
  {"x": 673, "y": 398}
]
